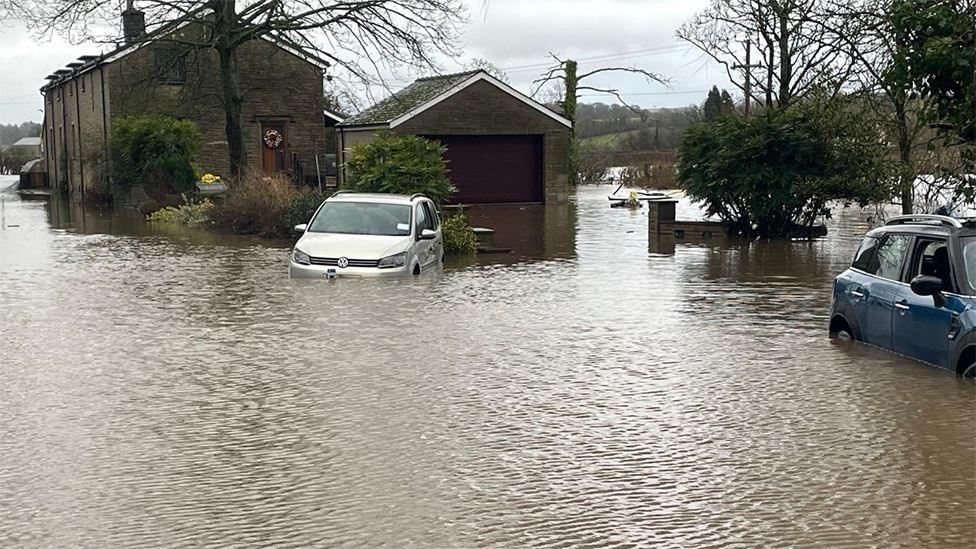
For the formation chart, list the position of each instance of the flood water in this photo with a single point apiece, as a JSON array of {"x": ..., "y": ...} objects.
[{"x": 164, "y": 387}]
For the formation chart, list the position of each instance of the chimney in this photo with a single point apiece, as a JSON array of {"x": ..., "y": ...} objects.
[{"x": 133, "y": 23}]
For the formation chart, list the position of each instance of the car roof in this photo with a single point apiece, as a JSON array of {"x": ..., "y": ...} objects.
[
  {"x": 916, "y": 228},
  {"x": 926, "y": 224},
  {"x": 379, "y": 198}
]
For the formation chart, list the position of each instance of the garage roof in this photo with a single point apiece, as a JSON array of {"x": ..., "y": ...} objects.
[{"x": 427, "y": 92}]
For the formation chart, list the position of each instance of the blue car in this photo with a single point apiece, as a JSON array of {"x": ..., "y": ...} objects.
[{"x": 912, "y": 290}]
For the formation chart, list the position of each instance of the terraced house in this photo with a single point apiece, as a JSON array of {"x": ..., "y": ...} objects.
[{"x": 156, "y": 74}]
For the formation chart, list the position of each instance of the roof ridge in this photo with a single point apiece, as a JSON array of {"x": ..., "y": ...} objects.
[{"x": 451, "y": 75}]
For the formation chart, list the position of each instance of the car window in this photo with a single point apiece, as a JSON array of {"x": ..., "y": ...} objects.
[
  {"x": 931, "y": 258},
  {"x": 420, "y": 218},
  {"x": 969, "y": 259},
  {"x": 891, "y": 256},
  {"x": 365, "y": 218},
  {"x": 866, "y": 254},
  {"x": 432, "y": 218}
]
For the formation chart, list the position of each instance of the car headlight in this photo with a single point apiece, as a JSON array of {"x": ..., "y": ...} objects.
[
  {"x": 398, "y": 260},
  {"x": 300, "y": 257}
]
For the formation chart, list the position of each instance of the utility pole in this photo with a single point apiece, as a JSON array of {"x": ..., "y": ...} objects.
[{"x": 747, "y": 67}]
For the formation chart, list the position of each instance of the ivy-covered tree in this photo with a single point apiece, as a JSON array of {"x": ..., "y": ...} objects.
[{"x": 773, "y": 175}]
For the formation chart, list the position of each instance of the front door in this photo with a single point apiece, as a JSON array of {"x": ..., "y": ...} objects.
[{"x": 273, "y": 147}]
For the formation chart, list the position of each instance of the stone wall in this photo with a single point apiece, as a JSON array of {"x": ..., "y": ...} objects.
[{"x": 276, "y": 86}]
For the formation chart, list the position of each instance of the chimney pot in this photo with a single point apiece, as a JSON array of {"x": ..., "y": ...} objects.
[{"x": 133, "y": 25}]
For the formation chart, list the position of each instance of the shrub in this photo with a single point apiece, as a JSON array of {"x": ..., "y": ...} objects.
[
  {"x": 459, "y": 239},
  {"x": 191, "y": 214},
  {"x": 303, "y": 206},
  {"x": 154, "y": 150},
  {"x": 771, "y": 174},
  {"x": 400, "y": 165},
  {"x": 257, "y": 205}
]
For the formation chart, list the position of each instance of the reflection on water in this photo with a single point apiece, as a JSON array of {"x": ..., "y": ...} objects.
[{"x": 178, "y": 389}]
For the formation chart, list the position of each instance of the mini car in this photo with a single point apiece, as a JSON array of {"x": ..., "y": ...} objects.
[{"x": 911, "y": 289}]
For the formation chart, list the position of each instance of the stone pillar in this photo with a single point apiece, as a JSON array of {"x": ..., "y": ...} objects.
[{"x": 659, "y": 211}]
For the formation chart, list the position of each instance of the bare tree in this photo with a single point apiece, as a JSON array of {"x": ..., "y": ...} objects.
[
  {"x": 567, "y": 72},
  {"x": 360, "y": 36},
  {"x": 791, "y": 54}
]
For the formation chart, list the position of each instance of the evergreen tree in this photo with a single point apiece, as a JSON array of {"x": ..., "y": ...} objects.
[{"x": 717, "y": 105}]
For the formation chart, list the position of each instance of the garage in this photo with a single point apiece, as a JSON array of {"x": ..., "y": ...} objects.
[
  {"x": 502, "y": 146},
  {"x": 494, "y": 169}
]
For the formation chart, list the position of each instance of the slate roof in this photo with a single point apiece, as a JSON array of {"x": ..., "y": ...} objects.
[
  {"x": 407, "y": 99},
  {"x": 28, "y": 142},
  {"x": 87, "y": 62}
]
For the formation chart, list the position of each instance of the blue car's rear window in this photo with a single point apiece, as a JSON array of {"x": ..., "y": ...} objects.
[{"x": 866, "y": 257}]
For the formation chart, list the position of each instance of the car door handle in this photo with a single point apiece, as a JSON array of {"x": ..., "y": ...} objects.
[
  {"x": 903, "y": 305},
  {"x": 856, "y": 293}
]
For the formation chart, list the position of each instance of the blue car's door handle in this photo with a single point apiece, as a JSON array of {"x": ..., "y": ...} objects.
[
  {"x": 856, "y": 293},
  {"x": 903, "y": 305}
]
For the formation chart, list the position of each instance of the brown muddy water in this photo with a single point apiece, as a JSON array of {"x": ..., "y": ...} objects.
[{"x": 177, "y": 389}]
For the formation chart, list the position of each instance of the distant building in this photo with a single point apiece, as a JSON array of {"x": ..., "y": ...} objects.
[
  {"x": 154, "y": 74},
  {"x": 502, "y": 146},
  {"x": 28, "y": 144}
]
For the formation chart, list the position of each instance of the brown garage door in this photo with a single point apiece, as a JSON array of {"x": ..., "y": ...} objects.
[{"x": 494, "y": 168}]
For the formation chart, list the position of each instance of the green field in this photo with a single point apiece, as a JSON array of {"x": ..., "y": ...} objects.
[{"x": 610, "y": 141}]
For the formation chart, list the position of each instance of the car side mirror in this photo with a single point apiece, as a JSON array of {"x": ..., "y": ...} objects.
[
  {"x": 301, "y": 228},
  {"x": 926, "y": 285},
  {"x": 427, "y": 234}
]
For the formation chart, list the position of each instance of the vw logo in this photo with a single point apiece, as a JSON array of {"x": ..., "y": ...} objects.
[{"x": 343, "y": 262}]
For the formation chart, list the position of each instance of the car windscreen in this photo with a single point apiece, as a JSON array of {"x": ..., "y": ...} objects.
[
  {"x": 367, "y": 218},
  {"x": 969, "y": 259}
]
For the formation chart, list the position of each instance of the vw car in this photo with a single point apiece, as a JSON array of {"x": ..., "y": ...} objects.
[
  {"x": 911, "y": 289},
  {"x": 363, "y": 234}
]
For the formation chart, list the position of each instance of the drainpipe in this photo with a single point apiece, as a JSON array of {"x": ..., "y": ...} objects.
[
  {"x": 108, "y": 156},
  {"x": 64, "y": 134},
  {"x": 81, "y": 160}
]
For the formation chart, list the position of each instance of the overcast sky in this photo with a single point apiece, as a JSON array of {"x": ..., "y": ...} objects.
[{"x": 513, "y": 34}]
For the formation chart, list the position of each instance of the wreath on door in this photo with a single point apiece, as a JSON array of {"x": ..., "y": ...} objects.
[{"x": 272, "y": 139}]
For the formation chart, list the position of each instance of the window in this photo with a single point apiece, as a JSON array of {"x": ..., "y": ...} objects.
[
  {"x": 362, "y": 218},
  {"x": 866, "y": 254},
  {"x": 891, "y": 256},
  {"x": 421, "y": 218},
  {"x": 170, "y": 65},
  {"x": 932, "y": 259},
  {"x": 431, "y": 213},
  {"x": 969, "y": 259}
]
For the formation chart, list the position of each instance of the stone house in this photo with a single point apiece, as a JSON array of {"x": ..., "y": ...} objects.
[
  {"x": 154, "y": 75},
  {"x": 502, "y": 146}
]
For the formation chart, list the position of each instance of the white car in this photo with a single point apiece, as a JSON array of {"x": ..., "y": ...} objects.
[{"x": 361, "y": 234}]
